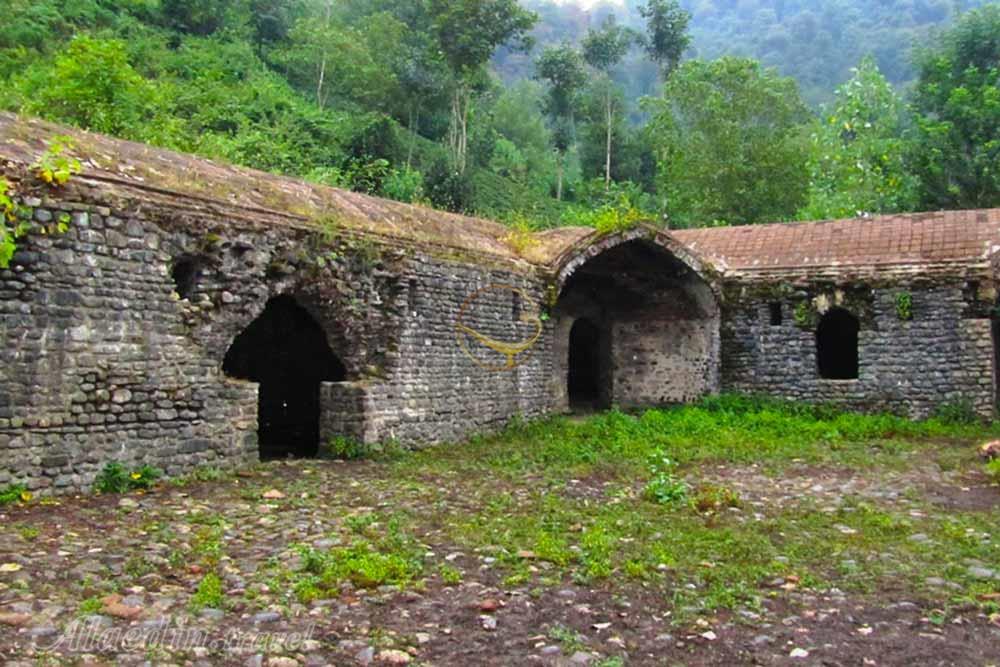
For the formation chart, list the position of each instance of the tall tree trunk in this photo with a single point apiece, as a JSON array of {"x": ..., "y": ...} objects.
[
  {"x": 607, "y": 152},
  {"x": 458, "y": 129},
  {"x": 320, "y": 100},
  {"x": 559, "y": 175},
  {"x": 320, "y": 96}
]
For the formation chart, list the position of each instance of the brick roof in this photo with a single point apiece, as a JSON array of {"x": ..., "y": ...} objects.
[{"x": 907, "y": 240}]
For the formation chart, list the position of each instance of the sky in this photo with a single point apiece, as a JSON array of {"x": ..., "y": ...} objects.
[{"x": 584, "y": 3}]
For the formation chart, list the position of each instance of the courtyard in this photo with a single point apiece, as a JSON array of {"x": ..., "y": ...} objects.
[{"x": 734, "y": 531}]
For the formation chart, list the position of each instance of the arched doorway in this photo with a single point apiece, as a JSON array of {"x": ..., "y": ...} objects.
[
  {"x": 286, "y": 351},
  {"x": 837, "y": 345},
  {"x": 583, "y": 379},
  {"x": 638, "y": 322}
]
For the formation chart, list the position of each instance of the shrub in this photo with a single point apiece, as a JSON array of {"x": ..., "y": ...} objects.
[
  {"x": 340, "y": 447},
  {"x": 114, "y": 478},
  {"x": 956, "y": 412},
  {"x": 14, "y": 493},
  {"x": 993, "y": 471},
  {"x": 405, "y": 185}
]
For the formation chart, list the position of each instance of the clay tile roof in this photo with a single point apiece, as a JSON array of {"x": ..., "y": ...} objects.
[{"x": 917, "y": 239}]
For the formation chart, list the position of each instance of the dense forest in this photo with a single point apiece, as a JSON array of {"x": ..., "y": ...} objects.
[
  {"x": 816, "y": 42},
  {"x": 541, "y": 114}
]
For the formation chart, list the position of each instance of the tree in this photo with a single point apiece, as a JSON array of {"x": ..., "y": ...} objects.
[
  {"x": 857, "y": 162},
  {"x": 666, "y": 33},
  {"x": 561, "y": 68},
  {"x": 728, "y": 139},
  {"x": 957, "y": 99},
  {"x": 339, "y": 58},
  {"x": 603, "y": 49},
  {"x": 89, "y": 84},
  {"x": 467, "y": 33}
]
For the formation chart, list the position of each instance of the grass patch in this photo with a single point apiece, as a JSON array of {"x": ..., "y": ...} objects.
[
  {"x": 649, "y": 525},
  {"x": 380, "y": 553},
  {"x": 208, "y": 593}
]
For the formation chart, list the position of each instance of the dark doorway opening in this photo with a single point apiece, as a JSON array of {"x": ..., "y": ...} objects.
[
  {"x": 286, "y": 352},
  {"x": 584, "y": 377},
  {"x": 837, "y": 345}
]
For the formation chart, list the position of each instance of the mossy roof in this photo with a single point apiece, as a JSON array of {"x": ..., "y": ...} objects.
[
  {"x": 139, "y": 173},
  {"x": 130, "y": 169}
]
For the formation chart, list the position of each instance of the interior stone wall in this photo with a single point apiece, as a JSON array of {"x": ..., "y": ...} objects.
[
  {"x": 663, "y": 357},
  {"x": 943, "y": 355}
]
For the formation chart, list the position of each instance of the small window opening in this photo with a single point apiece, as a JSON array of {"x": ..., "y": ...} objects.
[
  {"x": 837, "y": 345},
  {"x": 411, "y": 296},
  {"x": 186, "y": 271},
  {"x": 775, "y": 308},
  {"x": 515, "y": 309}
]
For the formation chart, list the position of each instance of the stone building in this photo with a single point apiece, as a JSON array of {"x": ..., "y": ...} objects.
[{"x": 178, "y": 311}]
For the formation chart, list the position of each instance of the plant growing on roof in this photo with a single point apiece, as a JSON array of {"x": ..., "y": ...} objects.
[{"x": 53, "y": 166}]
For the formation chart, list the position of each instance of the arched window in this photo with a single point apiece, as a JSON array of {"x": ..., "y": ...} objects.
[
  {"x": 285, "y": 350},
  {"x": 837, "y": 345}
]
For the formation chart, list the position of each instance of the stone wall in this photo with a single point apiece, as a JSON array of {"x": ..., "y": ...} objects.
[
  {"x": 104, "y": 360},
  {"x": 943, "y": 355},
  {"x": 664, "y": 358},
  {"x": 99, "y": 364},
  {"x": 437, "y": 390}
]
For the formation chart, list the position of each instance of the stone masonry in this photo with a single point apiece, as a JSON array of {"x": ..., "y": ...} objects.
[{"x": 115, "y": 332}]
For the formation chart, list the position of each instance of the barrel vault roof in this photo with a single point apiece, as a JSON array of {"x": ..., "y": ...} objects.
[{"x": 945, "y": 240}]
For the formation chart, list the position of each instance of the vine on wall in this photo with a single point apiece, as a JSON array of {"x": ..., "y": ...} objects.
[{"x": 53, "y": 167}]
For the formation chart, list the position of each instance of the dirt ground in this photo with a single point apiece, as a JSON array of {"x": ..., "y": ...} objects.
[{"x": 110, "y": 579}]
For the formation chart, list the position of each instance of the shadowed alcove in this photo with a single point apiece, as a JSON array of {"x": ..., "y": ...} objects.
[
  {"x": 837, "y": 345},
  {"x": 583, "y": 377},
  {"x": 286, "y": 351},
  {"x": 634, "y": 326}
]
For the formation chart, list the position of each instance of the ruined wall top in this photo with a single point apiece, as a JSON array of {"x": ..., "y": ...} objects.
[{"x": 189, "y": 190}]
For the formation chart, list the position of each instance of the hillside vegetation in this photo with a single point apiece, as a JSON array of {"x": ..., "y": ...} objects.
[{"x": 542, "y": 114}]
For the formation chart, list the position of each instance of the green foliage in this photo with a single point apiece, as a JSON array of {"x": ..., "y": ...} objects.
[
  {"x": 14, "y": 493},
  {"x": 9, "y": 229},
  {"x": 728, "y": 141},
  {"x": 664, "y": 487},
  {"x": 521, "y": 237},
  {"x": 209, "y": 593},
  {"x": 957, "y": 98},
  {"x": 89, "y": 84},
  {"x": 804, "y": 314},
  {"x": 667, "y": 33},
  {"x": 53, "y": 166},
  {"x": 405, "y": 185},
  {"x": 904, "y": 306},
  {"x": 451, "y": 576},
  {"x": 363, "y": 564},
  {"x": 340, "y": 447},
  {"x": 957, "y": 412},
  {"x": 115, "y": 478},
  {"x": 857, "y": 152},
  {"x": 992, "y": 469},
  {"x": 90, "y": 606}
]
